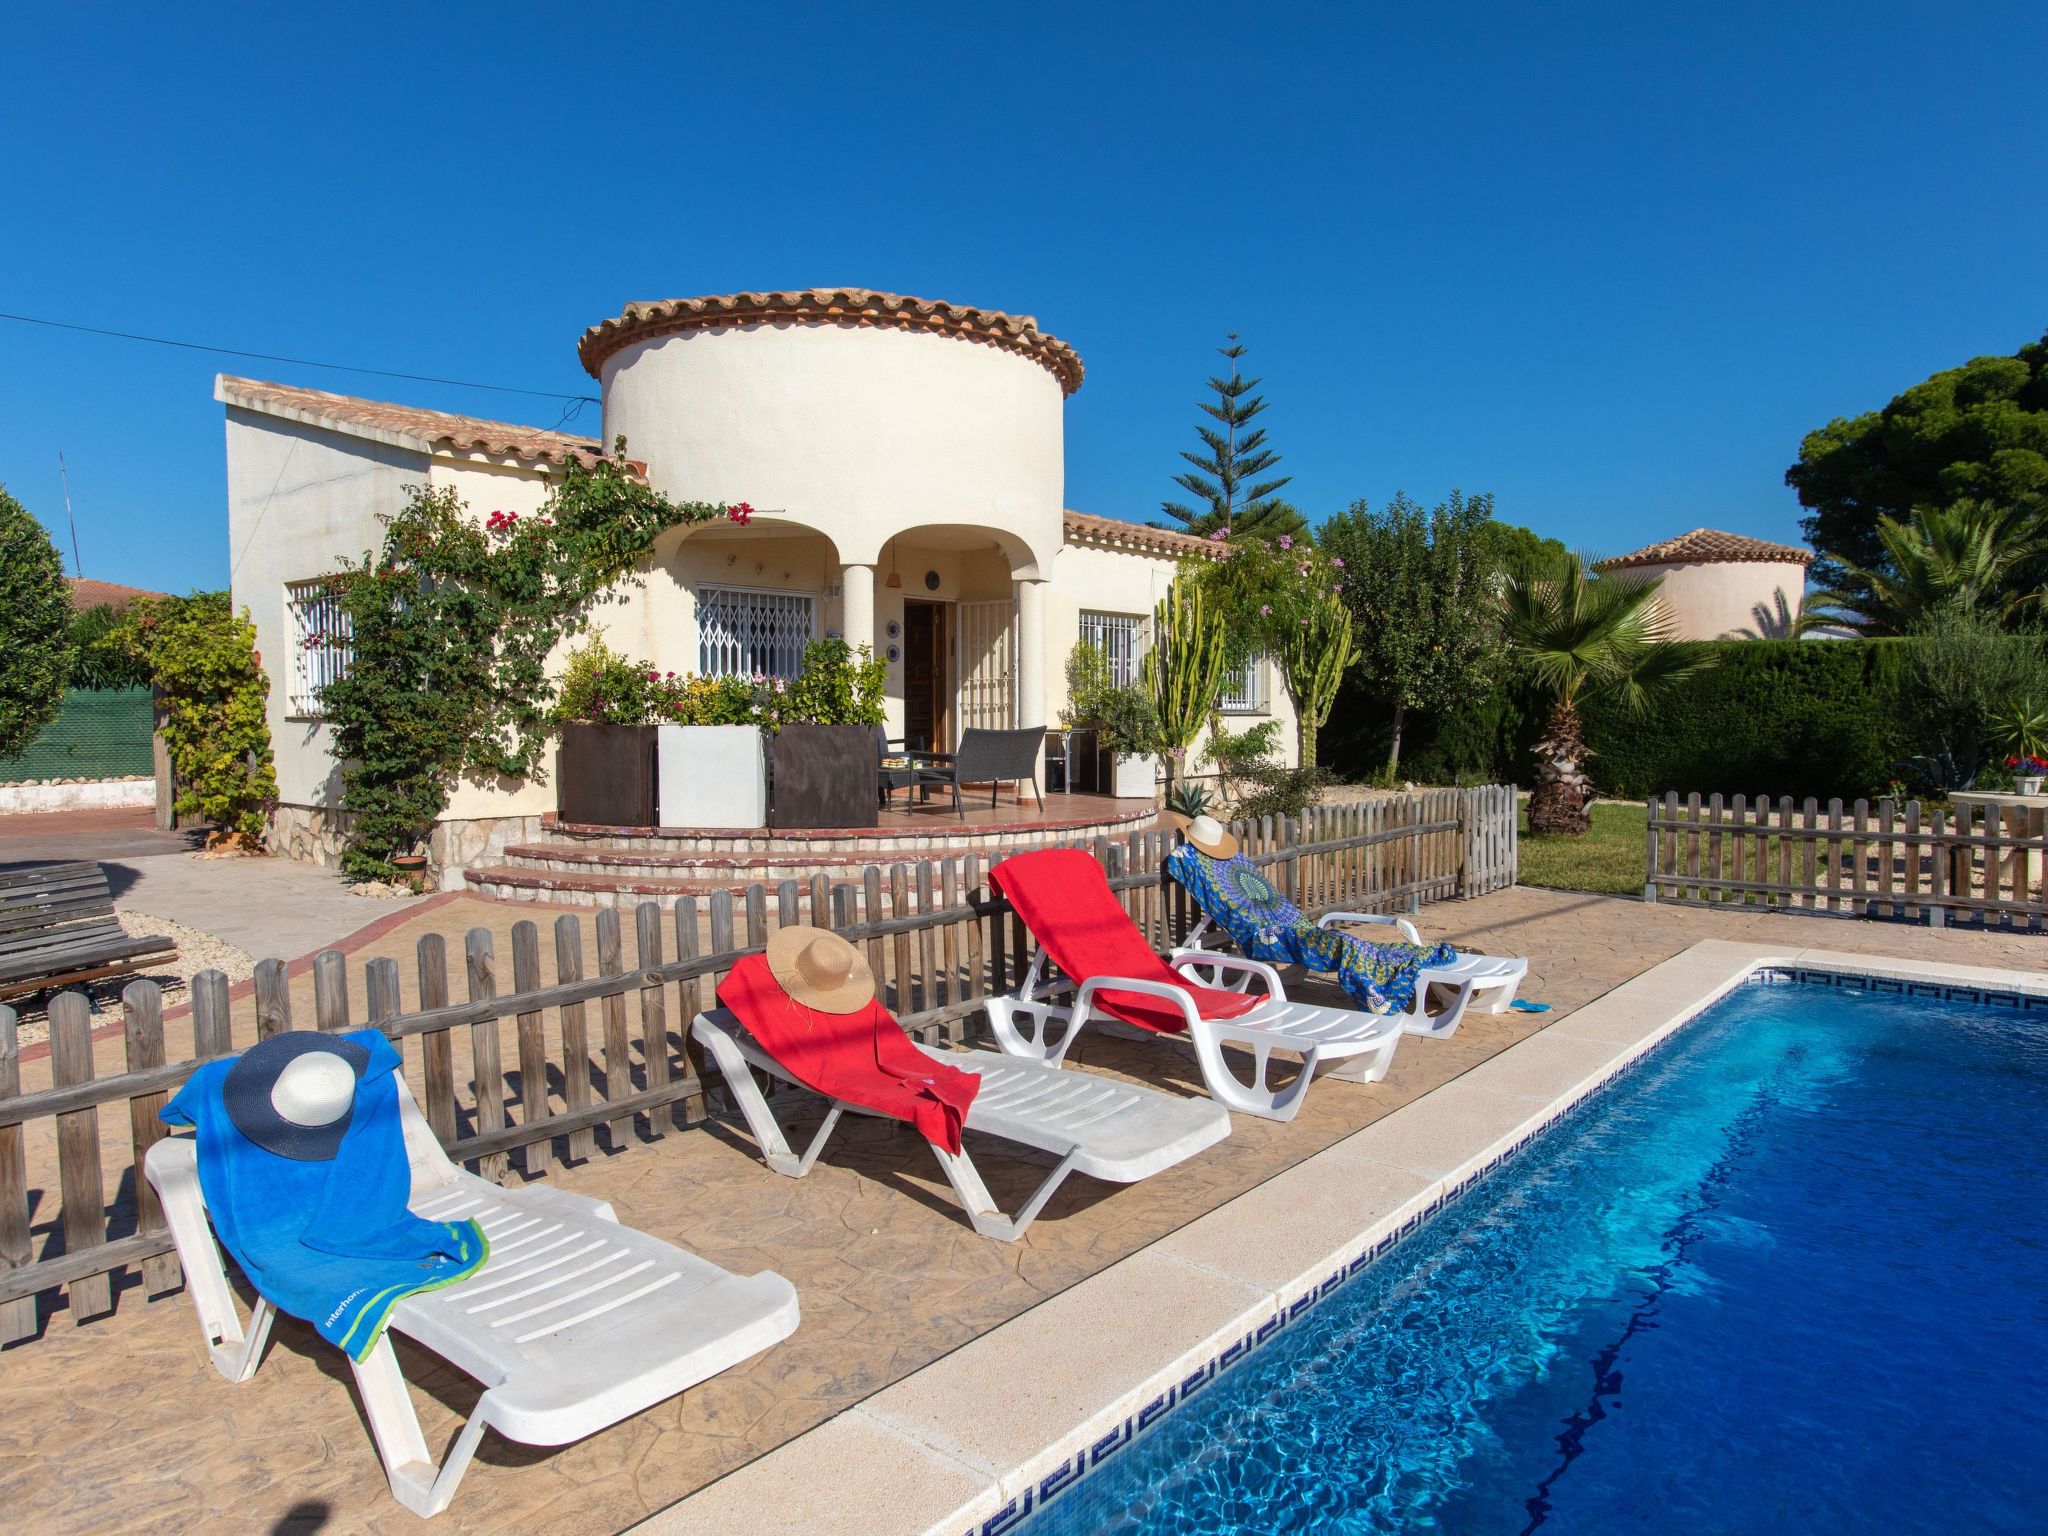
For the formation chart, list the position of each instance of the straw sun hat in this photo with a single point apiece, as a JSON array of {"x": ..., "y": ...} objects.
[
  {"x": 820, "y": 970},
  {"x": 1205, "y": 834}
]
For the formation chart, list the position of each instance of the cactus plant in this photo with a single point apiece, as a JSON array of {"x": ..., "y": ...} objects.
[
  {"x": 1313, "y": 656},
  {"x": 1184, "y": 668}
]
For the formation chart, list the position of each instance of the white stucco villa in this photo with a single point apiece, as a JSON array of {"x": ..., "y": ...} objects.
[{"x": 905, "y": 458}]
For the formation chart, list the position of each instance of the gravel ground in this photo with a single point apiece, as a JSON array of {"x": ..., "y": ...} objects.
[{"x": 197, "y": 951}]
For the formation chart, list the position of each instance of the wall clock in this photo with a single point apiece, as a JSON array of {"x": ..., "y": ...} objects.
[{"x": 931, "y": 581}]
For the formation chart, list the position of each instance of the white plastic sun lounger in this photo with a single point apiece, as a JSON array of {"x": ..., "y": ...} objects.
[
  {"x": 574, "y": 1323},
  {"x": 1095, "y": 1125},
  {"x": 1492, "y": 978},
  {"x": 1337, "y": 1042}
]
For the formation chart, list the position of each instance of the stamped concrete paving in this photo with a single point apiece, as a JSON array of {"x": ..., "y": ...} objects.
[{"x": 121, "y": 1424}]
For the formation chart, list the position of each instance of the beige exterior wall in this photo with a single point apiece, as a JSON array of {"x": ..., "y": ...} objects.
[
  {"x": 1091, "y": 579},
  {"x": 301, "y": 501},
  {"x": 1714, "y": 601},
  {"x": 859, "y": 433}
]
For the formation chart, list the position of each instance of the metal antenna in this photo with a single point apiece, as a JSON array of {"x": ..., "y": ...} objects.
[{"x": 77, "y": 566}]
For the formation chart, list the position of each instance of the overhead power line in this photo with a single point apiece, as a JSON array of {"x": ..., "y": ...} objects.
[{"x": 299, "y": 362}]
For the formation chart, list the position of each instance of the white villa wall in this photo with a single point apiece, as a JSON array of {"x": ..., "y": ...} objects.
[
  {"x": 301, "y": 500},
  {"x": 860, "y": 433},
  {"x": 1093, "y": 580},
  {"x": 1714, "y": 601}
]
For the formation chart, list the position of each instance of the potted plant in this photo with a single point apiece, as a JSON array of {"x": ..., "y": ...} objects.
[
  {"x": 411, "y": 867},
  {"x": 2023, "y": 731},
  {"x": 1121, "y": 723},
  {"x": 711, "y": 763},
  {"x": 606, "y": 766},
  {"x": 822, "y": 757}
]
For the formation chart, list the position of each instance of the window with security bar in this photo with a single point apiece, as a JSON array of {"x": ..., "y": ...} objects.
[
  {"x": 744, "y": 632},
  {"x": 322, "y": 642},
  {"x": 1121, "y": 639},
  {"x": 1242, "y": 691}
]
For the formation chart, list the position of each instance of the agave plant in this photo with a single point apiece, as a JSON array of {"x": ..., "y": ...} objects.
[
  {"x": 1584, "y": 635},
  {"x": 1189, "y": 799}
]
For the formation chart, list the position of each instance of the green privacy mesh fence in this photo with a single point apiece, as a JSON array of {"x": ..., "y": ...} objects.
[{"x": 98, "y": 734}]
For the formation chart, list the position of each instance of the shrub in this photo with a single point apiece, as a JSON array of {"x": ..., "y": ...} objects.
[
  {"x": 1280, "y": 791},
  {"x": 35, "y": 628},
  {"x": 202, "y": 660},
  {"x": 601, "y": 687},
  {"x": 835, "y": 685},
  {"x": 1817, "y": 717}
]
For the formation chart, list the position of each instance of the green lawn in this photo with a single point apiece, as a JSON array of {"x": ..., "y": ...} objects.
[{"x": 1609, "y": 858}]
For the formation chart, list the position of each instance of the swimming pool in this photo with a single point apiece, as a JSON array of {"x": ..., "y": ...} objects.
[{"x": 1789, "y": 1273}]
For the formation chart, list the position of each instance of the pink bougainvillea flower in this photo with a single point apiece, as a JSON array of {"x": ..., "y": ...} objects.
[
  {"x": 1265, "y": 610},
  {"x": 1219, "y": 535},
  {"x": 1287, "y": 541},
  {"x": 1337, "y": 561}
]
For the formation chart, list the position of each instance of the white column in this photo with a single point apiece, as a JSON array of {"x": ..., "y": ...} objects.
[
  {"x": 1031, "y": 653},
  {"x": 857, "y": 605}
]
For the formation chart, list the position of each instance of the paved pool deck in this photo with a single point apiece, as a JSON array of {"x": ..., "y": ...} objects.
[{"x": 121, "y": 1424}]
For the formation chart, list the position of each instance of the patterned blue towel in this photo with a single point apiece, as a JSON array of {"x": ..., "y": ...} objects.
[
  {"x": 331, "y": 1242},
  {"x": 1267, "y": 926}
]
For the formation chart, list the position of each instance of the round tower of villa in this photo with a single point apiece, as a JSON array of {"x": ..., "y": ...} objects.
[
  {"x": 858, "y": 415},
  {"x": 1721, "y": 586}
]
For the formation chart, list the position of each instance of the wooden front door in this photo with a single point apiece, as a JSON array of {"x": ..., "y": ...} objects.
[{"x": 926, "y": 722}]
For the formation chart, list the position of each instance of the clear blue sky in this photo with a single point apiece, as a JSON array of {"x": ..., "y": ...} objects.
[{"x": 1608, "y": 262}]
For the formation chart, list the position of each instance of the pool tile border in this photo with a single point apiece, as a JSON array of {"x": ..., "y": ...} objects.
[{"x": 1007, "y": 1497}]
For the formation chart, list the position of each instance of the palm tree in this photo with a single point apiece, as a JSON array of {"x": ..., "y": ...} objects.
[
  {"x": 1583, "y": 635},
  {"x": 1969, "y": 555}
]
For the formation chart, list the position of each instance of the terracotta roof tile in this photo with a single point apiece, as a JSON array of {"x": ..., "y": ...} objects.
[
  {"x": 836, "y": 306},
  {"x": 1086, "y": 528},
  {"x": 1710, "y": 546},
  {"x": 87, "y": 593},
  {"x": 408, "y": 426}
]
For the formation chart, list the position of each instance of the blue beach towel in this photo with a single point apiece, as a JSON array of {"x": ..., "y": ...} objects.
[
  {"x": 330, "y": 1242},
  {"x": 1267, "y": 926}
]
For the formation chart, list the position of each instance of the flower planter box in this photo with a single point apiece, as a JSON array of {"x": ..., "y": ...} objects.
[
  {"x": 605, "y": 775},
  {"x": 823, "y": 776},
  {"x": 712, "y": 776},
  {"x": 1135, "y": 778}
]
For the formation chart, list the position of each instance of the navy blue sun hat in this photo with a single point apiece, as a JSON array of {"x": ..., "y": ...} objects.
[{"x": 286, "y": 1100}]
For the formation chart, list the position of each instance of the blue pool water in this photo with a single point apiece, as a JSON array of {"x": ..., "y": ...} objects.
[{"x": 1789, "y": 1274}]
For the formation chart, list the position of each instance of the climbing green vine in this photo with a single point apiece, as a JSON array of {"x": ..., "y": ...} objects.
[{"x": 451, "y": 626}]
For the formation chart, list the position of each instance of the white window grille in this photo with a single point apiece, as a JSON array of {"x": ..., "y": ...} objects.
[
  {"x": 1121, "y": 638},
  {"x": 1243, "y": 693},
  {"x": 742, "y": 631},
  {"x": 322, "y": 642}
]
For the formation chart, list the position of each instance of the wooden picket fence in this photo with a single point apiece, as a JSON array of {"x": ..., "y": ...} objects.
[
  {"x": 1891, "y": 860},
  {"x": 603, "y": 1051}
]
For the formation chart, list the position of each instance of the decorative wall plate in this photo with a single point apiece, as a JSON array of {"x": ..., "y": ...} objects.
[
  {"x": 894, "y": 628},
  {"x": 895, "y": 652}
]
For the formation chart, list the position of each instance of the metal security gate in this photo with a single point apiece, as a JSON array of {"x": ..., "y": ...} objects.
[{"x": 988, "y": 665}]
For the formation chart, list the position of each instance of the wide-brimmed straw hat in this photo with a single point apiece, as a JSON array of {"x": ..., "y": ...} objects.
[
  {"x": 820, "y": 970},
  {"x": 1205, "y": 834}
]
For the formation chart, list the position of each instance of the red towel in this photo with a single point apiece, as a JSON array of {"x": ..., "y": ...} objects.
[
  {"x": 862, "y": 1057},
  {"x": 1063, "y": 895}
]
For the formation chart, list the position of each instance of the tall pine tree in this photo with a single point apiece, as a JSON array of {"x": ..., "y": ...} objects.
[{"x": 1226, "y": 475}]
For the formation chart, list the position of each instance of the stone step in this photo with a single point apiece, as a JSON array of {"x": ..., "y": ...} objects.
[
  {"x": 930, "y": 837},
  {"x": 507, "y": 883}
]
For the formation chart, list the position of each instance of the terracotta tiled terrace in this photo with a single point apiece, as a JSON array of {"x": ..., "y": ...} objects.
[{"x": 121, "y": 1424}]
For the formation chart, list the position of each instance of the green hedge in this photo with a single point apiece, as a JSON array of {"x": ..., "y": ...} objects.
[
  {"x": 100, "y": 733},
  {"x": 1798, "y": 718}
]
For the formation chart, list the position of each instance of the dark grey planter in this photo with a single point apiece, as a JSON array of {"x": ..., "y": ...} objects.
[
  {"x": 823, "y": 776},
  {"x": 605, "y": 775}
]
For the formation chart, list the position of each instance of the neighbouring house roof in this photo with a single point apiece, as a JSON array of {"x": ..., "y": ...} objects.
[
  {"x": 407, "y": 426},
  {"x": 834, "y": 306},
  {"x": 87, "y": 593},
  {"x": 1115, "y": 533},
  {"x": 1710, "y": 546}
]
